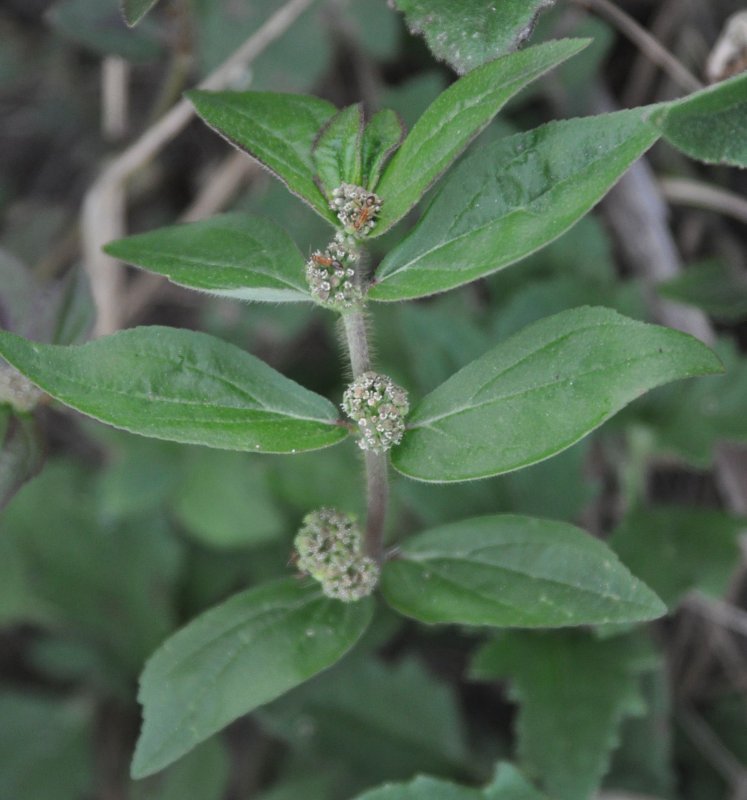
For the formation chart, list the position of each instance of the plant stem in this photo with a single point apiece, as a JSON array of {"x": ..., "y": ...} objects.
[{"x": 377, "y": 486}]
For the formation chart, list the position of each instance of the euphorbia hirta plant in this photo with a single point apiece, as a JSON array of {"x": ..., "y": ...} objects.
[{"x": 524, "y": 400}]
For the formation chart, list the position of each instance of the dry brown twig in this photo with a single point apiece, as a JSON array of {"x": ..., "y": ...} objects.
[
  {"x": 703, "y": 195},
  {"x": 102, "y": 215},
  {"x": 645, "y": 42}
]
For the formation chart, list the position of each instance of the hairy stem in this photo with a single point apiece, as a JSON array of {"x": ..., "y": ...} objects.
[{"x": 377, "y": 486}]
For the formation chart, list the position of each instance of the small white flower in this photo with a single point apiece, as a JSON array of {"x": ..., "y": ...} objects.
[
  {"x": 379, "y": 407},
  {"x": 356, "y": 208}
]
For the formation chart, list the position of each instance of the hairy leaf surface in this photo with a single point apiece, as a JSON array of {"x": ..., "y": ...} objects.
[
  {"x": 540, "y": 391},
  {"x": 454, "y": 118},
  {"x": 710, "y": 125},
  {"x": 509, "y": 199},
  {"x": 495, "y": 28},
  {"x": 235, "y": 657},
  {"x": 180, "y": 385},
  {"x": 278, "y": 130},
  {"x": 336, "y": 152},
  {"x": 231, "y": 255},
  {"x": 513, "y": 571}
]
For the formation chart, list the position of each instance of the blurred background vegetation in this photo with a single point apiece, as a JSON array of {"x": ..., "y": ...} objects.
[{"x": 108, "y": 541}]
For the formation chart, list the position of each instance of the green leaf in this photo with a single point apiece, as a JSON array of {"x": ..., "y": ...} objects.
[
  {"x": 494, "y": 28},
  {"x": 540, "y": 391},
  {"x": 382, "y": 135},
  {"x": 278, "y": 130},
  {"x": 336, "y": 152},
  {"x": 454, "y": 119},
  {"x": 231, "y": 255},
  {"x": 45, "y": 747},
  {"x": 203, "y": 773},
  {"x": 508, "y": 784},
  {"x": 135, "y": 10},
  {"x": 21, "y": 451},
  {"x": 180, "y": 385},
  {"x": 642, "y": 763},
  {"x": 573, "y": 692},
  {"x": 676, "y": 550},
  {"x": 513, "y": 571},
  {"x": 709, "y": 125},
  {"x": 224, "y": 500},
  {"x": 714, "y": 286},
  {"x": 422, "y": 788},
  {"x": 398, "y": 720},
  {"x": 72, "y": 563},
  {"x": 509, "y": 199},
  {"x": 716, "y": 403},
  {"x": 98, "y": 25},
  {"x": 245, "y": 652}
]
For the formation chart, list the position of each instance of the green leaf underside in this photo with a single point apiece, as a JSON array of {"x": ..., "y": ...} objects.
[
  {"x": 278, "y": 130},
  {"x": 514, "y": 571},
  {"x": 135, "y": 10},
  {"x": 710, "y": 125},
  {"x": 495, "y": 28},
  {"x": 336, "y": 151},
  {"x": 573, "y": 692},
  {"x": 383, "y": 133},
  {"x": 239, "y": 655},
  {"x": 454, "y": 119},
  {"x": 231, "y": 255},
  {"x": 540, "y": 391},
  {"x": 180, "y": 385},
  {"x": 509, "y": 199}
]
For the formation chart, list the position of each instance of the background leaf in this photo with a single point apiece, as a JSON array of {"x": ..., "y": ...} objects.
[
  {"x": 224, "y": 500},
  {"x": 508, "y": 570},
  {"x": 508, "y": 784},
  {"x": 713, "y": 286},
  {"x": 573, "y": 691},
  {"x": 135, "y": 10},
  {"x": 67, "y": 565},
  {"x": 231, "y": 255},
  {"x": 500, "y": 412},
  {"x": 709, "y": 125},
  {"x": 495, "y": 28},
  {"x": 278, "y": 130},
  {"x": 36, "y": 731},
  {"x": 454, "y": 118},
  {"x": 509, "y": 199},
  {"x": 180, "y": 385},
  {"x": 678, "y": 549},
  {"x": 21, "y": 451},
  {"x": 398, "y": 720},
  {"x": 99, "y": 26},
  {"x": 235, "y": 657}
]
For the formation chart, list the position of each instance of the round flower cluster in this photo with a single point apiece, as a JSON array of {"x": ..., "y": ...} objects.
[
  {"x": 356, "y": 208},
  {"x": 329, "y": 547},
  {"x": 379, "y": 407},
  {"x": 17, "y": 389},
  {"x": 331, "y": 274}
]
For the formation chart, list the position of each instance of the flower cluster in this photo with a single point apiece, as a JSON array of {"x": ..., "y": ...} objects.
[
  {"x": 17, "y": 389},
  {"x": 329, "y": 547},
  {"x": 379, "y": 407},
  {"x": 356, "y": 208},
  {"x": 331, "y": 274}
]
